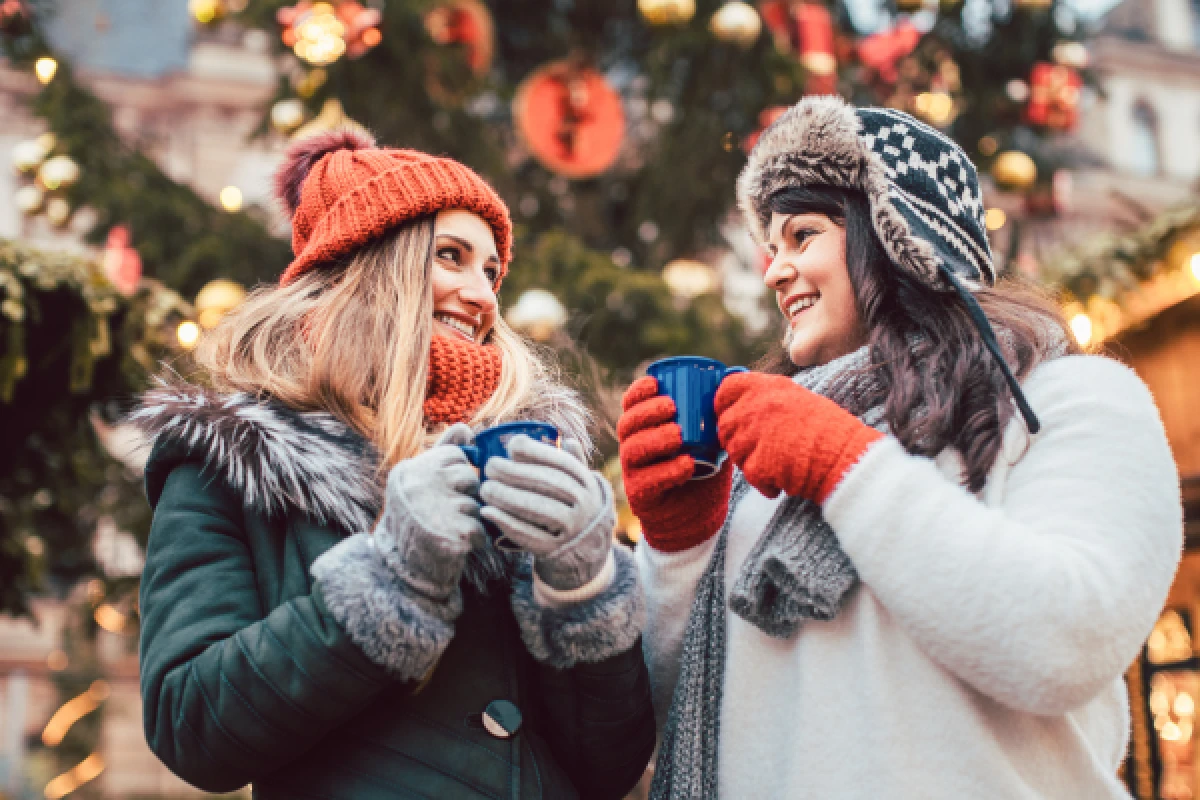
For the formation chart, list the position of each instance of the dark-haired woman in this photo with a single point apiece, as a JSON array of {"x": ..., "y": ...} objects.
[{"x": 942, "y": 533}]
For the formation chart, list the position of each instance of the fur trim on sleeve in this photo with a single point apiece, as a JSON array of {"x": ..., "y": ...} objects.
[
  {"x": 591, "y": 631},
  {"x": 397, "y": 630}
]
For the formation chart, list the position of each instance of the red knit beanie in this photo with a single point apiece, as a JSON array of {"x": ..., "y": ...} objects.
[{"x": 342, "y": 191}]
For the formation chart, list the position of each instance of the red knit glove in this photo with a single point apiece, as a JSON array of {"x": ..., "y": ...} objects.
[
  {"x": 676, "y": 512},
  {"x": 786, "y": 438}
]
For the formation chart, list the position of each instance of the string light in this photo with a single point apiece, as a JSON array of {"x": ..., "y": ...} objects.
[
  {"x": 319, "y": 35},
  {"x": 936, "y": 107},
  {"x": 77, "y": 776},
  {"x": 995, "y": 219},
  {"x": 1194, "y": 263},
  {"x": 72, "y": 711},
  {"x": 45, "y": 68},
  {"x": 188, "y": 333},
  {"x": 231, "y": 199},
  {"x": 1081, "y": 326},
  {"x": 109, "y": 618}
]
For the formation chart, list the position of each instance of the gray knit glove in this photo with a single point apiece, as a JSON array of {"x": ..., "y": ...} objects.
[
  {"x": 431, "y": 518},
  {"x": 547, "y": 502}
]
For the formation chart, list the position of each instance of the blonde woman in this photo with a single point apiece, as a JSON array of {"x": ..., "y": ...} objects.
[{"x": 323, "y": 614}]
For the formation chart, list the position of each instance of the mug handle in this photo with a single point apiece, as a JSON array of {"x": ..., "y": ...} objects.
[
  {"x": 732, "y": 371},
  {"x": 472, "y": 454}
]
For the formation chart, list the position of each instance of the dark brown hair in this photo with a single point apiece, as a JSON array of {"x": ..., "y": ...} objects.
[{"x": 940, "y": 387}]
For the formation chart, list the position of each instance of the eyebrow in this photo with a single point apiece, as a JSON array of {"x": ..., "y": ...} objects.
[{"x": 470, "y": 248}]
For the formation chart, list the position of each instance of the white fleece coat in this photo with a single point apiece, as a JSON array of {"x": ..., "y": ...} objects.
[{"x": 982, "y": 654}]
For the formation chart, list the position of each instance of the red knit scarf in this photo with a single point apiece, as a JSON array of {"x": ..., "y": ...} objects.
[{"x": 462, "y": 377}]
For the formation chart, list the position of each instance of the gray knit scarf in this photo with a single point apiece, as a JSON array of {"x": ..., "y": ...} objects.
[{"x": 796, "y": 571}]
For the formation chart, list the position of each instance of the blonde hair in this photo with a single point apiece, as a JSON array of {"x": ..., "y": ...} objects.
[{"x": 354, "y": 341}]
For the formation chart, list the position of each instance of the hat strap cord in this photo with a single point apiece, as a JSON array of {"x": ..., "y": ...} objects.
[{"x": 989, "y": 340}]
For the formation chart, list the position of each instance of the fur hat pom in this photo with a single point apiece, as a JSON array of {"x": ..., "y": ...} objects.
[{"x": 303, "y": 155}]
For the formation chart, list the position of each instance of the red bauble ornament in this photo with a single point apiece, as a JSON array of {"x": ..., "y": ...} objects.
[
  {"x": 122, "y": 264},
  {"x": 805, "y": 29},
  {"x": 1053, "y": 97},
  {"x": 14, "y": 17},
  {"x": 570, "y": 118},
  {"x": 881, "y": 52},
  {"x": 466, "y": 24}
]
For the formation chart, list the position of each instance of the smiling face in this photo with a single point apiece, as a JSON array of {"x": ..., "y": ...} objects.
[
  {"x": 464, "y": 274},
  {"x": 812, "y": 288}
]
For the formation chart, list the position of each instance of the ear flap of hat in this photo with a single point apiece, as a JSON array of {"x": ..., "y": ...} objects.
[{"x": 303, "y": 155}]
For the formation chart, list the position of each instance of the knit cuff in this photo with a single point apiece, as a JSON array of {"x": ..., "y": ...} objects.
[
  {"x": 586, "y": 632},
  {"x": 392, "y": 624},
  {"x": 689, "y": 515}
]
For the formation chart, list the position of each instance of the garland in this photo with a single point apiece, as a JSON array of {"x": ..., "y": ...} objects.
[{"x": 70, "y": 347}]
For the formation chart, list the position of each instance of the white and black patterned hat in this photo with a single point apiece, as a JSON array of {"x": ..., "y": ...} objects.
[
  {"x": 925, "y": 199},
  {"x": 926, "y": 204}
]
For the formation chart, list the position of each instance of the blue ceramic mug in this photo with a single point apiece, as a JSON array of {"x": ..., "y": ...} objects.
[
  {"x": 692, "y": 381},
  {"x": 493, "y": 443}
]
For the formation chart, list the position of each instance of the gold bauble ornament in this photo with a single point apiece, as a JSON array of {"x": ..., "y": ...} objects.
[
  {"x": 217, "y": 299},
  {"x": 667, "y": 12},
  {"x": 28, "y": 155},
  {"x": 58, "y": 211},
  {"x": 28, "y": 199},
  {"x": 330, "y": 117},
  {"x": 1014, "y": 171},
  {"x": 737, "y": 23},
  {"x": 58, "y": 172},
  {"x": 287, "y": 115},
  {"x": 537, "y": 313},
  {"x": 688, "y": 278}
]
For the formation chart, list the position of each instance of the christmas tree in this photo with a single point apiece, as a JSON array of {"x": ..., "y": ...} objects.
[{"x": 615, "y": 131}]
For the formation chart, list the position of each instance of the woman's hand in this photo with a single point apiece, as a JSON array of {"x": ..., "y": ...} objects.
[
  {"x": 787, "y": 439},
  {"x": 431, "y": 516},
  {"x": 676, "y": 512},
  {"x": 547, "y": 502}
]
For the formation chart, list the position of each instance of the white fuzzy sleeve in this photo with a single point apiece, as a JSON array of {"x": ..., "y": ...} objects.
[
  {"x": 669, "y": 581},
  {"x": 1042, "y": 601}
]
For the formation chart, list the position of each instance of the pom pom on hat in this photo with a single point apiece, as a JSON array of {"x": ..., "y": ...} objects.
[{"x": 303, "y": 155}]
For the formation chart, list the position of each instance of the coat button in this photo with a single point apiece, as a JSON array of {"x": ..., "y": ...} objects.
[{"x": 502, "y": 719}]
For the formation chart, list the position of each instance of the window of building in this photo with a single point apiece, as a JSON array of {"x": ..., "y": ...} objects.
[{"x": 1144, "y": 157}]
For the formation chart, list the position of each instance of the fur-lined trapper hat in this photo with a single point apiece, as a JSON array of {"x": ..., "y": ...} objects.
[
  {"x": 924, "y": 194},
  {"x": 923, "y": 191}
]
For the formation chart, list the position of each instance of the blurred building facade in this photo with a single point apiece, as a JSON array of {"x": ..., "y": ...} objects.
[{"x": 192, "y": 101}]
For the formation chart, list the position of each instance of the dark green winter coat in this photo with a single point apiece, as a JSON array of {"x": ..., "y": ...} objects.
[{"x": 247, "y": 676}]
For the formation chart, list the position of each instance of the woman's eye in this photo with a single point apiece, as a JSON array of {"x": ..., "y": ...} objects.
[
  {"x": 802, "y": 235},
  {"x": 492, "y": 274},
  {"x": 448, "y": 254}
]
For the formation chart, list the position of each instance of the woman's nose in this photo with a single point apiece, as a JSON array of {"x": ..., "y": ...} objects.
[
  {"x": 779, "y": 273},
  {"x": 479, "y": 294}
]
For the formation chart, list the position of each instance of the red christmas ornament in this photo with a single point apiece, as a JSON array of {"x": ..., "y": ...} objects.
[
  {"x": 466, "y": 24},
  {"x": 571, "y": 119},
  {"x": 765, "y": 118},
  {"x": 14, "y": 17},
  {"x": 1053, "y": 97},
  {"x": 805, "y": 29},
  {"x": 122, "y": 264},
  {"x": 881, "y": 52}
]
